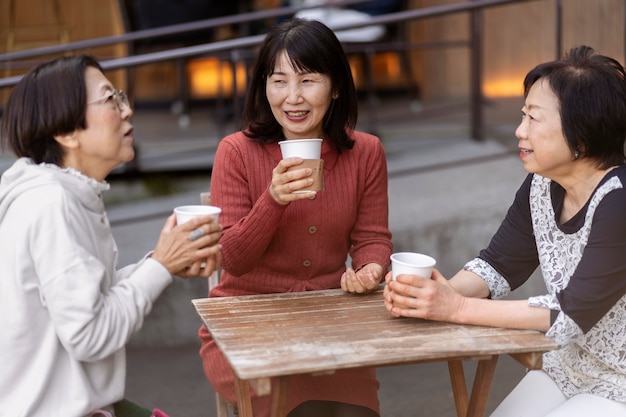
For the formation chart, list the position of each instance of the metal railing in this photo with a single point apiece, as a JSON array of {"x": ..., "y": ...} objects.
[{"x": 234, "y": 46}]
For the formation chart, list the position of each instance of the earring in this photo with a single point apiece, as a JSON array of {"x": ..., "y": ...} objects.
[{"x": 576, "y": 155}]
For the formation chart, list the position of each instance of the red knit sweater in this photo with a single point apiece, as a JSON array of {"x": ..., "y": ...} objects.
[{"x": 269, "y": 248}]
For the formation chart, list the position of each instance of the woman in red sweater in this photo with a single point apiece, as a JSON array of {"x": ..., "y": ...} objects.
[{"x": 275, "y": 240}]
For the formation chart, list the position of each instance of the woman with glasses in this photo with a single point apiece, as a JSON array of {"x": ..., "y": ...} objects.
[{"x": 66, "y": 311}]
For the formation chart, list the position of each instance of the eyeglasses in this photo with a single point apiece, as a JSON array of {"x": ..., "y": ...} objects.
[{"x": 118, "y": 97}]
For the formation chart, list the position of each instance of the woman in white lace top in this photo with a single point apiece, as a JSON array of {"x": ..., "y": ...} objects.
[{"x": 569, "y": 219}]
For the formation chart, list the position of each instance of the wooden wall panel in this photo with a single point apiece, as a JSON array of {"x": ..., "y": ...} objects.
[
  {"x": 441, "y": 72},
  {"x": 37, "y": 23},
  {"x": 598, "y": 23},
  {"x": 516, "y": 38}
]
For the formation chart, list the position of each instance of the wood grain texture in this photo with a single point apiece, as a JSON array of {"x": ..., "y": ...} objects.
[{"x": 319, "y": 331}]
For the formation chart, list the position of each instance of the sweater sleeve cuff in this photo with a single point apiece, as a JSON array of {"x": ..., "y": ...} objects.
[
  {"x": 151, "y": 277},
  {"x": 268, "y": 200}
]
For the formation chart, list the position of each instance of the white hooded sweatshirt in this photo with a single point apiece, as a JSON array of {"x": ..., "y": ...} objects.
[{"x": 66, "y": 312}]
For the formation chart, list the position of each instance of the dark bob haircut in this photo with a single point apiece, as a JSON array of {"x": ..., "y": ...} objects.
[
  {"x": 50, "y": 100},
  {"x": 591, "y": 90},
  {"x": 311, "y": 47}
]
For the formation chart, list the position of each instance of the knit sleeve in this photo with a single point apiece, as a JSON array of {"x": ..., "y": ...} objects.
[
  {"x": 370, "y": 236},
  {"x": 249, "y": 222}
]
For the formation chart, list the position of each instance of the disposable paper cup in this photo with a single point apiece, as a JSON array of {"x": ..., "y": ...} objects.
[
  {"x": 411, "y": 263},
  {"x": 186, "y": 213},
  {"x": 304, "y": 148}
]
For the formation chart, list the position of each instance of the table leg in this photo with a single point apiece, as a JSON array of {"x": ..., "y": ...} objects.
[
  {"x": 244, "y": 403},
  {"x": 459, "y": 388},
  {"x": 482, "y": 384},
  {"x": 477, "y": 403},
  {"x": 279, "y": 397}
]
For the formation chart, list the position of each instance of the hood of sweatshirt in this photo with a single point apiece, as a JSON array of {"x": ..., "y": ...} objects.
[{"x": 25, "y": 175}]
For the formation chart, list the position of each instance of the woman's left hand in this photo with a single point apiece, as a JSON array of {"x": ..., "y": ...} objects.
[
  {"x": 364, "y": 280},
  {"x": 185, "y": 257}
]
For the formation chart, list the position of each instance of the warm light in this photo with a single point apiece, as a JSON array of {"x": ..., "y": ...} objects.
[
  {"x": 211, "y": 77},
  {"x": 503, "y": 87},
  {"x": 355, "y": 69},
  {"x": 391, "y": 62},
  {"x": 386, "y": 69}
]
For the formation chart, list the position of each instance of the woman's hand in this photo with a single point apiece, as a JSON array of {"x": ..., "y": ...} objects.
[
  {"x": 285, "y": 182},
  {"x": 413, "y": 296},
  {"x": 364, "y": 280},
  {"x": 184, "y": 257}
]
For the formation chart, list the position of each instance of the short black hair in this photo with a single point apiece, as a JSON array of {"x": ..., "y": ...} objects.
[
  {"x": 312, "y": 47},
  {"x": 50, "y": 100},
  {"x": 591, "y": 90}
]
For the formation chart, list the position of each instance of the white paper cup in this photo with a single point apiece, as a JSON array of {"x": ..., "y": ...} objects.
[
  {"x": 411, "y": 263},
  {"x": 186, "y": 213},
  {"x": 304, "y": 148}
]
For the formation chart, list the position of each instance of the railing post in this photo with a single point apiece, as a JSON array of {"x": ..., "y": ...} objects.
[
  {"x": 559, "y": 31},
  {"x": 476, "y": 101},
  {"x": 234, "y": 57}
]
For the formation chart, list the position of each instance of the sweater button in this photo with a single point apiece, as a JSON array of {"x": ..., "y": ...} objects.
[
  {"x": 306, "y": 263},
  {"x": 312, "y": 229}
]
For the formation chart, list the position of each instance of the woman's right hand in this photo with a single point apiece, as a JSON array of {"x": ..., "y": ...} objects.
[
  {"x": 184, "y": 257},
  {"x": 430, "y": 299},
  {"x": 285, "y": 182}
]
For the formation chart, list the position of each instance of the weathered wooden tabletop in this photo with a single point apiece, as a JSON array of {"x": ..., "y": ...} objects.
[{"x": 265, "y": 336}]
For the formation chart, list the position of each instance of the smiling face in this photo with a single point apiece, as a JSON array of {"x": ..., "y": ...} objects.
[
  {"x": 298, "y": 101},
  {"x": 543, "y": 147},
  {"x": 107, "y": 140}
]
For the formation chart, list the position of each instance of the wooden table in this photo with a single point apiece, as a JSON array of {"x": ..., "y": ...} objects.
[{"x": 278, "y": 335}]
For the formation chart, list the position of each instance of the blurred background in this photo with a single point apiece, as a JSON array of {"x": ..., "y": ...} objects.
[{"x": 514, "y": 37}]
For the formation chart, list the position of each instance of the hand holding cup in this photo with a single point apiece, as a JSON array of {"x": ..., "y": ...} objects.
[
  {"x": 300, "y": 174},
  {"x": 186, "y": 213},
  {"x": 188, "y": 245},
  {"x": 421, "y": 292}
]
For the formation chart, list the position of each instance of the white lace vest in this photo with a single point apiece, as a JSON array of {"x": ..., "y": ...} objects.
[{"x": 595, "y": 362}]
